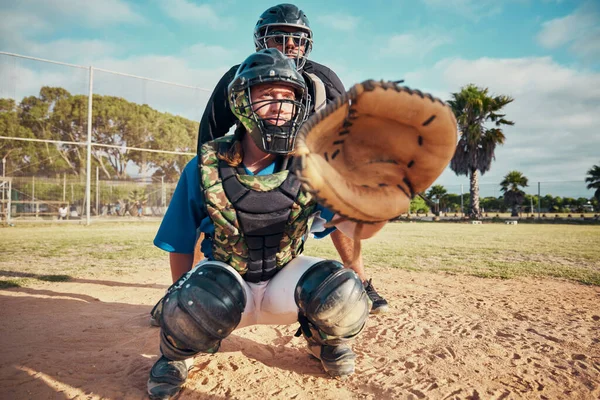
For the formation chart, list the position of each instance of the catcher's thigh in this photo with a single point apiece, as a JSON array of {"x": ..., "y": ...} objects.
[{"x": 272, "y": 302}]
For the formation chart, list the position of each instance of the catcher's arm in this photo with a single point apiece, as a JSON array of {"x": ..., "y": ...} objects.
[{"x": 351, "y": 228}]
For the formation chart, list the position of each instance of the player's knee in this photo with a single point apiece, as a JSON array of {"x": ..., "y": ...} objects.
[
  {"x": 203, "y": 310},
  {"x": 333, "y": 299}
]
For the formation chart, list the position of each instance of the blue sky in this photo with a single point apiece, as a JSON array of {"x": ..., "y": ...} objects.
[{"x": 545, "y": 53}]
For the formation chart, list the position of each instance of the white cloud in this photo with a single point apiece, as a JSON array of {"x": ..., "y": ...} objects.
[
  {"x": 168, "y": 68},
  {"x": 14, "y": 21},
  {"x": 200, "y": 14},
  {"x": 470, "y": 9},
  {"x": 39, "y": 18},
  {"x": 413, "y": 44},
  {"x": 15, "y": 25},
  {"x": 580, "y": 31},
  {"x": 95, "y": 13},
  {"x": 78, "y": 51},
  {"x": 338, "y": 21},
  {"x": 555, "y": 113},
  {"x": 203, "y": 52}
]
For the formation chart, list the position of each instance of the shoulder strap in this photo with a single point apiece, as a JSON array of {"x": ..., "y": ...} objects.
[{"x": 320, "y": 100}]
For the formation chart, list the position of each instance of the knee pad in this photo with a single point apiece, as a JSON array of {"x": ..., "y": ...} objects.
[
  {"x": 333, "y": 301},
  {"x": 200, "y": 311}
]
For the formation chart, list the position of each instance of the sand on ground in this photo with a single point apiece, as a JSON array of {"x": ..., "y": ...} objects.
[{"x": 445, "y": 337}]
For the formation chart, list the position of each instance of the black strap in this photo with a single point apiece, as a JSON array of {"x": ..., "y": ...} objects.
[{"x": 304, "y": 326}]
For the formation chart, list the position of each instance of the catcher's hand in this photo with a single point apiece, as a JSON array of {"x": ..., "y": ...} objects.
[{"x": 366, "y": 155}]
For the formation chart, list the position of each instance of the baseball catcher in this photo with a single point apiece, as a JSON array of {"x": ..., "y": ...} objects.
[{"x": 257, "y": 195}]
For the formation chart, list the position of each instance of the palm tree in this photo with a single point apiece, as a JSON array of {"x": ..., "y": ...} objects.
[
  {"x": 473, "y": 107},
  {"x": 513, "y": 196},
  {"x": 437, "y": 193},
  {"x": 593, "y": 180}
]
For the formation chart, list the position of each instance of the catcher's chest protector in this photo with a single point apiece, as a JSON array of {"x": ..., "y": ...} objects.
[{"x": 260, "y": 221}]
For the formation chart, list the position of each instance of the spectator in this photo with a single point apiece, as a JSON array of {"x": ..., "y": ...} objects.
[{"x": 62, "y": 212}]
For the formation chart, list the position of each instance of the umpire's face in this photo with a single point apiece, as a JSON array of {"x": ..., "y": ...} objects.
[{"x": 292, "y": 45}]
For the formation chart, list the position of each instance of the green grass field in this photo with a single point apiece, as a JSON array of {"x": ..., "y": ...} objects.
[{"x": 572, "y": 252}]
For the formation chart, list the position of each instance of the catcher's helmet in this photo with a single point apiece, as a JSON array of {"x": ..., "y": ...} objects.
[
  {"x": 289, "y": 16},
  {"x": 263, "y": 67}
]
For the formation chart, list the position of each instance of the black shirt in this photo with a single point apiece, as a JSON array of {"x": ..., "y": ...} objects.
[{"x": 218, "y": 118}]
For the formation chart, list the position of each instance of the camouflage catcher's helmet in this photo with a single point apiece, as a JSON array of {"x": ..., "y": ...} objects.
[
  {"x": 280, "y": 16},
  {"x": 269, "y": 66}
]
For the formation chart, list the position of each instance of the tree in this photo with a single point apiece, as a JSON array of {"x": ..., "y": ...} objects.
[
  {"x": 178, "y": 134},
  {"x": 15, "y": 153},
  {"x": 547, "y": 202},
  {"x": 475, "y": 151},
  {"x": 491, "y": 204},
  {"x": 437, "y": 193},
  {"x": 418, "y": 205},
  {"x": 557, "y": 204},
  {"x": 452, "y": 202},
  {"x": 57, "y": 115},
  {"x": 531, "y": 200},
  {"x": 513, "y": 196},
  {"x": 53, "y": 116},
  {"x": 593, "y": 180}
]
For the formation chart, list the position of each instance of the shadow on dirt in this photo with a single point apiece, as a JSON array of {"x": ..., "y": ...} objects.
[{"x": 72, "y": 344}]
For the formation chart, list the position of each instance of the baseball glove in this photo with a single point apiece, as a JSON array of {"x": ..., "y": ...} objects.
[{"x": 367, "y": 154}]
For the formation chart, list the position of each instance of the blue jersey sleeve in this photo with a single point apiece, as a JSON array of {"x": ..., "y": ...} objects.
[
  {"x": 179, "y": 229},
  {"x": 326, "y": 215}
]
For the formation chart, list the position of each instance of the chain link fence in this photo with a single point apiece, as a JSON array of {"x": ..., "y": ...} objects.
[
  {"x": 83, "y": 143},
  {"x": 98, "y": 143},
  {"x": 541, "y": 199}
]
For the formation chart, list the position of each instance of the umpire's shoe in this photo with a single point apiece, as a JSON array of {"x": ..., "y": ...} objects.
[
  {"x": 166, "y": 378},
  {"x": 380, "y": 305}
]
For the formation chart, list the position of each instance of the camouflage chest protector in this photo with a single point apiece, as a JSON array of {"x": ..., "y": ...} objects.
[{"x": 260, "y": 221}]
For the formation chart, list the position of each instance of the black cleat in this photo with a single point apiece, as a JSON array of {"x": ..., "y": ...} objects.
[
  {"x": 166, "y": 378},
  {"x": 380, "y": 305},
  {"x": 338, "y": 361}
]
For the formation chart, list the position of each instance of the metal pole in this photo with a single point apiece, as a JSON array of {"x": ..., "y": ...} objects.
[
  {"x": 462, "y": 214},
  {"x": 163, "y": 194},
  {"x": 531, "y": 203},
  {"x": 539, "y": 201},
  {"x": 88, "y": 180},
  {"x": 4, "y": 183},
  {"x": 33, "y": 194},
  {"x": 64, "y": 187},
  {"x": 97, "y": 192},
  {"x": 9, "y": 199}
]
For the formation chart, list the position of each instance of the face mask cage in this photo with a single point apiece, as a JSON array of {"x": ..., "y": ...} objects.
[
  {"x": 277, "y": 131},
  {"x": 272, "y": 36}
]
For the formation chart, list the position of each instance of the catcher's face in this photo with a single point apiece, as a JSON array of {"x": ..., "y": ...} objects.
[{"x": 273, "y": 103}]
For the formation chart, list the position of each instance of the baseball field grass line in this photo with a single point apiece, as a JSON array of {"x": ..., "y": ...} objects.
[{"x": 569, "y": 252}]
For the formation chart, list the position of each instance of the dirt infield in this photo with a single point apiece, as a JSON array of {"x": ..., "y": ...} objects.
[{"x": 446, "y": 337}]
